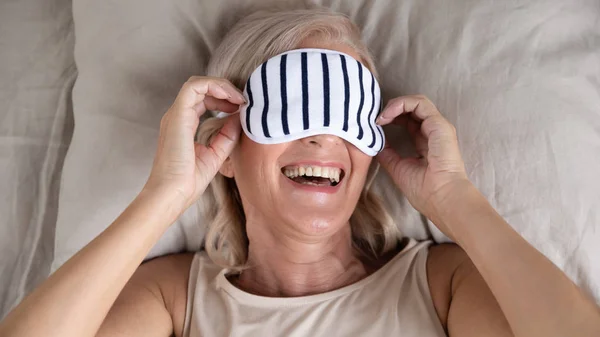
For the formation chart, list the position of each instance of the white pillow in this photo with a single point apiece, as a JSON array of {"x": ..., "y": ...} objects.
[{"x": 519, "y": 81}]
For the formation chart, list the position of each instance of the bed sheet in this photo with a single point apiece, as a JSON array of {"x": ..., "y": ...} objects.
[
  {"x": 519, "y": 79},
  {"x": 37, "y": 72},
  {"x": 522, "y": 90}
]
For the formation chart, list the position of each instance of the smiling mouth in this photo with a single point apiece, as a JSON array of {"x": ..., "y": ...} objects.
[{"x": 314, "y": 175}]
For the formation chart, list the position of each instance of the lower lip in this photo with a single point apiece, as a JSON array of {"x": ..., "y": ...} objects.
[{"x": 313, "y": 188}]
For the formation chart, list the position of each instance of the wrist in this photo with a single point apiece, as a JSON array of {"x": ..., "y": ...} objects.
[
  {"x": 454, "y": 205},
  {"x": 167, "y": 202}
]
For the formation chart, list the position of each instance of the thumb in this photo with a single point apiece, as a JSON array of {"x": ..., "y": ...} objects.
[
  {"x": 210, "y": 158},
  {"x": 402, "y": 170}
]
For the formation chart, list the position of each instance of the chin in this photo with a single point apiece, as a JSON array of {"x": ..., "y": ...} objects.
[{"x": 316, "y": 219}]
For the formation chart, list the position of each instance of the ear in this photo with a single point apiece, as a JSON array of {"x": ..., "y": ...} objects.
[{"x": 227, "y": 168}]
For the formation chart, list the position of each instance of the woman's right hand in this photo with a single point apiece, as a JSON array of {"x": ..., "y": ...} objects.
[
  {"x": 183, "y": 169},
  {"x": 76, "y": 299}
]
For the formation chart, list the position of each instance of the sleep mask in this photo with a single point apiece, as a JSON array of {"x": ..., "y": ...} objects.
[{"x": 307, "y": 92}]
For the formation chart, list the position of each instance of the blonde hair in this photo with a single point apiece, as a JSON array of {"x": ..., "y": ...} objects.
[{"x": 248, "y": 44}]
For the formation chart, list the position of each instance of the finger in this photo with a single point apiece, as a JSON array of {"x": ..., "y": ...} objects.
[
  {"x": 443, "y": 151},
  {"x": 228, "y": 86},
  {"x": 401, "y": 120},
  {"x": 413, "y": 127},
  {"x": 402, "y": 170},
  {"x": 438, "y": 125},
  {"x": 215, "y": 104},
  {"x": 393, "y": 109},
  {"x": 211, "y": 157},
  {"x": 388, "y": 158},
  {"x": 228, "y": 136},
  {"x": 196, "y": 89},
  {"x": 420, "y": 107},
  {"x": 421, "y": 146},
  {"x": 420, "y": 142}
]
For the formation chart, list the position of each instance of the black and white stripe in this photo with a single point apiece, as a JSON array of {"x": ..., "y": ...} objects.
[{"x": 307, "y": 92}]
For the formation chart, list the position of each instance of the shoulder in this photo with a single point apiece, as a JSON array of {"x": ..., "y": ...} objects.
[
  {"x": 167, "y": 277},
  {"x": 446, "y": 265},
  {"x": 168, "y": 274},
  {"x": 445, "y": 257},
  {"x": 407, "y": 287},
  {"x": 165, "y": 270},
  {"x": 174, "y": 263},
  {"x": 153, "y": 302}
]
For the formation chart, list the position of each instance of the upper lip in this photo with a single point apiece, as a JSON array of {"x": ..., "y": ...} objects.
[{"x": 317, "y": 163}]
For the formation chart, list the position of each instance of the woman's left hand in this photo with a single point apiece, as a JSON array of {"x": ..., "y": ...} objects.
[{"x": 438, "y": 172}]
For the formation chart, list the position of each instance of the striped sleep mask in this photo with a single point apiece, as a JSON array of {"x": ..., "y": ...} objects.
[{"x": 307, "y": 92}]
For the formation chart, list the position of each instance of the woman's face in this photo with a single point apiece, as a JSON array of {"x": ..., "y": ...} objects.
[{"x": 274, "y": 192}]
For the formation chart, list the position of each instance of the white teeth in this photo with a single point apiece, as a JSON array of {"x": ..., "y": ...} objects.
[{"x": 333, "y": 173}]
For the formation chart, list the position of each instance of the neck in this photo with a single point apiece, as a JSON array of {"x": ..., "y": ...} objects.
[{"x": 284, "y": 265}]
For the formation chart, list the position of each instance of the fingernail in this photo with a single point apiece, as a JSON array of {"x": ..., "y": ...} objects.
[{"x": 223, "y": 91}]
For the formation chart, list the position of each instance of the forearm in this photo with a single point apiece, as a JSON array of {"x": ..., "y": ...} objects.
[
  {"x": 535, "y": 296},
  {"x": 77, "y": 297}
]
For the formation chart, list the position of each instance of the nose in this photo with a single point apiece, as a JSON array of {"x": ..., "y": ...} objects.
[{"x": 322, "y": 141}]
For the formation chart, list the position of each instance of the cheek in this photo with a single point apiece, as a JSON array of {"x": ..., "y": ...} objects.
[
  {"x": 254, "y": 168},
  {"x": 360, "y": 166},
  {"x": 247, "y": 163}
]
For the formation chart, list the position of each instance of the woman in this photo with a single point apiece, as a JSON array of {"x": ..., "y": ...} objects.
[{"x": 304, "y": 256}]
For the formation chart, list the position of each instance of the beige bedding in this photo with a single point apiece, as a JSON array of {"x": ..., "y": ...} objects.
[
  {"x": 37, "y": 72},
  {"x": 520, "y": 80}
]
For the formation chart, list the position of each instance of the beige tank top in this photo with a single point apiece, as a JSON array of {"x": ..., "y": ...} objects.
[{"x": 393, "y": 301}]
